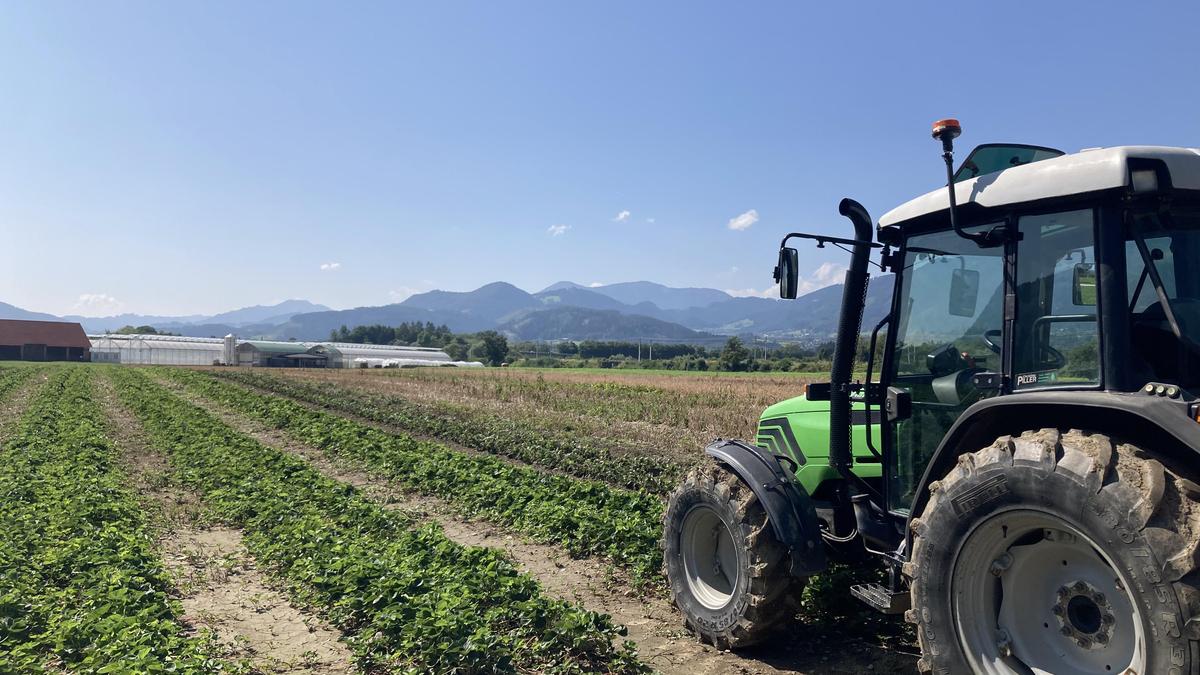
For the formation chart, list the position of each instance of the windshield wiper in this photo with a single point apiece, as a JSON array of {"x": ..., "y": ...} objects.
[{"x": 1159, "y": 288}]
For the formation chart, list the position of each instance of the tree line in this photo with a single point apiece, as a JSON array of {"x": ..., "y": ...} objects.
[
  {"x": 493, "y": 348},
  {"x": 488, "y": 346}
]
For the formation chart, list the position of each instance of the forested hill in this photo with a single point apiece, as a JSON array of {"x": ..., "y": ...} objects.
[{"x": 634, "y": 310}]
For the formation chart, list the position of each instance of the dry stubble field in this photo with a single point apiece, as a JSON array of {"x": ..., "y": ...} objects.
[{"x": 231, "y": 520}]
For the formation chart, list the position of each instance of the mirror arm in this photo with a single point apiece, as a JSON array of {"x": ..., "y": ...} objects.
[{"x": 822, "y": 240}]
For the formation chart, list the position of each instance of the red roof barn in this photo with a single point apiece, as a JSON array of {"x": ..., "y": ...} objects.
[{"x": 43, "y": 341}]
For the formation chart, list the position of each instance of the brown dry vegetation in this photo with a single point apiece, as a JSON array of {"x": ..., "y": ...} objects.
[{"x": 631, "y": 411}]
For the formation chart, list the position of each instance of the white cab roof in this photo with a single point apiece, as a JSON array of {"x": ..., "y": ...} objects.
[{"x": 1086, "y": 171}]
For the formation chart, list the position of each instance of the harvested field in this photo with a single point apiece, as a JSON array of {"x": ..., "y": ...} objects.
[
  {"x": 637, "y": 430},
  {"x": 700, "y": 405}
]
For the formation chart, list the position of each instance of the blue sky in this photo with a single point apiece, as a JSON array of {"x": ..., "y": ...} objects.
[{"x": 193, "y": 157}]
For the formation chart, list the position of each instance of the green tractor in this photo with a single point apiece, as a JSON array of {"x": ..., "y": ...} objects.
[{"x": 1020, "y": 453}]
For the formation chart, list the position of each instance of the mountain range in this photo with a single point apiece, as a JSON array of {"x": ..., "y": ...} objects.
[{"x": 565, "y": 310}]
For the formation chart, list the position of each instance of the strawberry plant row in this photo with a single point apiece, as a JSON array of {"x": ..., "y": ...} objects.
[
  {"x": 586, "y": 517},
  {"x": 547, "y": 447},
  {"x": 81, "y": 586},
  {"x": 409, "y": 598},
  {"x": 13, "y": 377}
]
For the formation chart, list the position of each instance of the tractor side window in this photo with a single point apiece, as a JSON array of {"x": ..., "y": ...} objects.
[
  {"x": 948, "y": 330},
  {"x": 1172, "y": 249},
  {"x": 1057, "y": 337},
  {"x": 950, "y": 316},
  {"x": 1141, "y": 291}
]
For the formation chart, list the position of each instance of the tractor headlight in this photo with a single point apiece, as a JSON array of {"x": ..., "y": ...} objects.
[{"x": 1143, "y": 180}]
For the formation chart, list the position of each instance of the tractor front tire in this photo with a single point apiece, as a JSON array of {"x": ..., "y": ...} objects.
[
  {"x": 728, "y": 573},
  {"x": 1062, "y": 553}
]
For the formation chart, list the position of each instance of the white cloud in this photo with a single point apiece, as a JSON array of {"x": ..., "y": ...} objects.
[
  {"x": 744, "y": 221},
  {"x": 595, "y": 284},
  {"x": 772, "y": 292},
  {"x": 405, "y": 292},
  {"x": 98, "y": 303},
  {"x": 557, "y": 230},
  {"x": 331, "y": 266},
  {"x": 827, "y": 274},
  {"x": 650, "y": 220},
  {"x": 622, "y": 217}
]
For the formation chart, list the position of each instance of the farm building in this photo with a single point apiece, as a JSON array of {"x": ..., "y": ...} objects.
[
  {"x": 159, "y": 350},
  {"x": 43, "y": 341},
  {"x": 344, "y": 355},
  {"x": 265, "y": 353}
]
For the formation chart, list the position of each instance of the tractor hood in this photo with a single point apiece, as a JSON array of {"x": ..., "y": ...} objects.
[
  {"x": 800, "y": 404},
  {"x": 786, "y": 428}
]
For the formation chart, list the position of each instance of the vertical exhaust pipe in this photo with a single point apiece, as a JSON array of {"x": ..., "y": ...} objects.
[{"x": 854, "y": 298}]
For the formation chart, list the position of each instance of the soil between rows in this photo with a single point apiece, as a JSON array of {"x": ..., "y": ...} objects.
[
  {"x": 653, "y": 624},
  {"x": 14, "y": 405},
  {"x": 219, "y": 585}
]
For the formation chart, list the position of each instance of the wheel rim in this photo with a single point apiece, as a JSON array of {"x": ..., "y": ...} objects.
[
  {"x": 1032, "y": 594},
  {"x": 709, "y": 557}
]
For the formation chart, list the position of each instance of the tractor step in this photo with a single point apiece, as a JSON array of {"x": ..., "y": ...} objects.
[{"x": 881, "y": 599}]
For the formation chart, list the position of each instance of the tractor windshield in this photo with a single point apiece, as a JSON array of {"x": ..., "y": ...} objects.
[{"x": 1163, "y": 269}]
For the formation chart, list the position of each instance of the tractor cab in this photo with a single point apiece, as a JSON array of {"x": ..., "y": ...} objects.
[
  {"x": 1017, "y": 452},
  {"x": 1026, "y": 312}
]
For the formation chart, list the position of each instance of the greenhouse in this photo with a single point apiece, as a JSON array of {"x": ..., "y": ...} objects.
[
  {"x": 264, "y": 353},
  {"x": 343, "y": 355},
  {"x": 173, "y": 350},
  {"x": 159, "y": 350}
]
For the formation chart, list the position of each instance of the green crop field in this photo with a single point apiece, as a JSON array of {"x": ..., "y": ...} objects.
[{"x": 423, "y": 521}]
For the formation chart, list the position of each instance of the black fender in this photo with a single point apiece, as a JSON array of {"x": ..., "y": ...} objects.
[
  {"x": 789, "y": 508},
  {"x": 1165, "y": 424}
]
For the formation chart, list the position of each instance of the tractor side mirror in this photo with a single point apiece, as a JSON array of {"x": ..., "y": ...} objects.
[
  {"x": 787, "y": 273},
  {"x": 1083, "y": 287},
  {"x": 964, "y": 292}
]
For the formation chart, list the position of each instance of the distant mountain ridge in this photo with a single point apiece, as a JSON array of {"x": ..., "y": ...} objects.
[
  {"x": 564, "y": 310},
  {"x": 258, "y": 316}
]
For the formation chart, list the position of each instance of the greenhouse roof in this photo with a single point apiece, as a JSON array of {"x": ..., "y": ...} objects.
[
  {"x": 380, "y": 351},
  {"x": 276, "y": 347}
]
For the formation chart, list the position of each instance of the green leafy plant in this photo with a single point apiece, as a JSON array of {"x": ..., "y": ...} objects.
[
  {"x": 81, "y": 586},
  {"x": 409, "y": 598},
  {"x": 587, "y": 518},
  {"x": 559, "y": 448}
]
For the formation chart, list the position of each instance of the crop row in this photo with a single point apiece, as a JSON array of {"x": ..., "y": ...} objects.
[
  {"x": 13, "y": 377},
  {"x": 81, "y": 586},
  {"x": 561, "y": 449},
  {"x": 410, "y": 598},
  {"x": 585, "y": 517}
]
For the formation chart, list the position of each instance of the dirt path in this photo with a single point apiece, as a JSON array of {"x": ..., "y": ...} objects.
[
  {"x": 14, "y": 405},
  {"x": 220, "y": 587},
  {"x": 651, "y": 621}
]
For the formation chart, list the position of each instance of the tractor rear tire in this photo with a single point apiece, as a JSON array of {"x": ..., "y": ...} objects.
[
  {"x": 1062, "y": 553},
  {"x": 728, "y": 572}
]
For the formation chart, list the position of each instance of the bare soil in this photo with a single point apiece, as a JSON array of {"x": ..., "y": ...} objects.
[
  {"x": 219, "y": 586},
  {"x": 13, "y": 406},
  {"x": 653, "y": 624}
]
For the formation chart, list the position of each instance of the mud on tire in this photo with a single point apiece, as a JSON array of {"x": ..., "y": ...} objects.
[
  {"x": 764, "y": 596},
  {"x": 1144, "y": 518}
]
